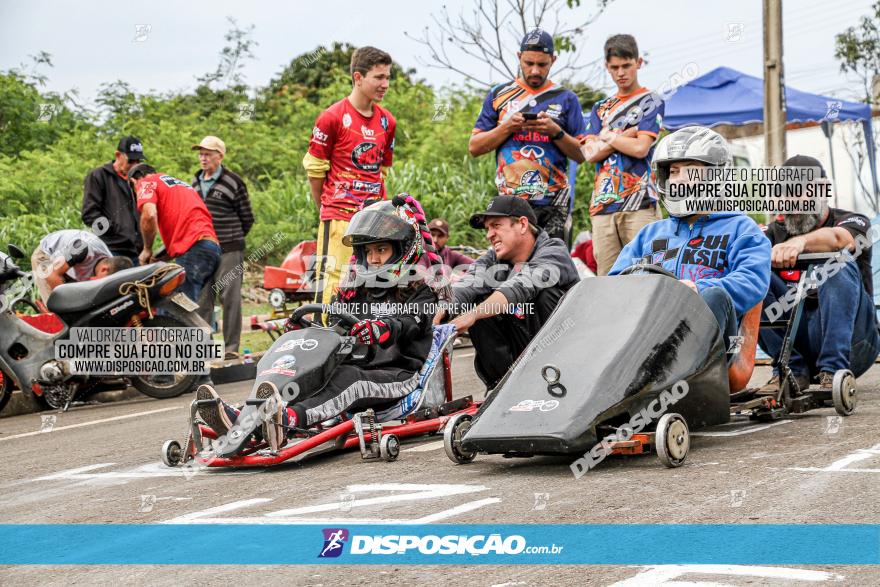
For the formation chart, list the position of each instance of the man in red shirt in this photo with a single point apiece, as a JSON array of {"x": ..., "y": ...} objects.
[
  {"x": 349, "y": 154},
  {"x": 175, "y": 210}
]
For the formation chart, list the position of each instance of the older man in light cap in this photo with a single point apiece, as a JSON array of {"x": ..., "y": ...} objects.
[{"x": 226, "y": 196}]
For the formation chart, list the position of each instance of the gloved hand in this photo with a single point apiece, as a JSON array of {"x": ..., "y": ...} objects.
[
  {"x": 290, "y": 325},
  {"x": 371, "y": 331}
]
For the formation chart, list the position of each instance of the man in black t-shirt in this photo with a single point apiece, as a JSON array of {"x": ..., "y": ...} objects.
[{"x": 838, "y": 328}]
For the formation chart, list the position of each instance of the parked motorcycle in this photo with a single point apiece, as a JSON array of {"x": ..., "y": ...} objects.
[{"x": 27, "y": 353}]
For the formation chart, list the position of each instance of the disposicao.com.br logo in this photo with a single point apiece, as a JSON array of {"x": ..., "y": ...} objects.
[{"x": 431, "y": 544}]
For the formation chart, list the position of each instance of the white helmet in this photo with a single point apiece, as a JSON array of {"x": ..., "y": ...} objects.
[{"x": 692, "y": 143}]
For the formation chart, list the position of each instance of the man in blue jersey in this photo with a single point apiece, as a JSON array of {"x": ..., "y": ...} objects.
[{"x": 534, "y": 127}]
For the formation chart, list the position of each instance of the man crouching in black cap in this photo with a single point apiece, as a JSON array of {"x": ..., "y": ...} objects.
[
  {"x": 838, "y": 328},
  {"x": 509, "y": 293}
]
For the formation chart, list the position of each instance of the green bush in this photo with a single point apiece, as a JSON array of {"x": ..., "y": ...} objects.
[{"x": 43, "y": 169}]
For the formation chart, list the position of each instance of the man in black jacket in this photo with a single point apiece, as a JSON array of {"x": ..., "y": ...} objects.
[
  {"x": 226, "y": 196},
  {"x": 509, "y": 293},
  {"x": 108, "y": 202}
]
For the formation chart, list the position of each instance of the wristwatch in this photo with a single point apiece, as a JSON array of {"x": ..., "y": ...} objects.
[{"x": 558, "y": 135}]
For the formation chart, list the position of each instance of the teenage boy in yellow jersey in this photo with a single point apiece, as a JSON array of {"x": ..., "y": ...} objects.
[{"x": 349, "y": 154}]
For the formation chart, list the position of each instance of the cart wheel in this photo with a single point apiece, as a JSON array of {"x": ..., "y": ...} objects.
[
  {"x": 456, "y": 428},
  {"x": 843, "y": 392},
  {"x": 277, "y": 297},
  {"x": 171, "y": 453},
  {"x": 389, "y": 447},
  {"x": 672, "y": 439}
]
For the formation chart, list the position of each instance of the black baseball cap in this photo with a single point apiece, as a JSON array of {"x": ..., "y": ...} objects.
[
  {"x": 505, "y": 206},
  {"x": 132, "y": 148},
  {"x": 805, "y": 161},
  {"x": 537, "y": 40}
]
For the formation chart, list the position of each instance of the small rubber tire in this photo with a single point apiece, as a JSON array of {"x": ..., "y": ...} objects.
[
  {"x": 672, "y": 440},
  {"x": 843, "y": 392},
  {"x": 453, "y": 433},
  {"x": 172, "y": 455},
  {"x": 389, "y": 447}
]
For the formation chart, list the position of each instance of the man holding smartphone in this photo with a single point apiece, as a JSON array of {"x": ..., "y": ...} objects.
[{"x": 534, "y": 126}]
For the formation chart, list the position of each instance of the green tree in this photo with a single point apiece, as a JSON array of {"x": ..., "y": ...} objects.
[
  {"x": 30, "y": 119},
  {"x": 307, "y": 74},
  {"x": 858, "y": 50}
]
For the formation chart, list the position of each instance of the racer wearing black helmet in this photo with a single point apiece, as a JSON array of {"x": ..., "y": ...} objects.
[
  {"x": 395, "y": 307},
  {"x": 383, "y": 222}
]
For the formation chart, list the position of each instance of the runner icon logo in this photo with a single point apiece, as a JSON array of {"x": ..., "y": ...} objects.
[{"x": 334, "y": 541}]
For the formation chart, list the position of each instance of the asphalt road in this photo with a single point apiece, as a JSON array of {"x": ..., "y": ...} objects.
[{"x": 100, "y": 464}]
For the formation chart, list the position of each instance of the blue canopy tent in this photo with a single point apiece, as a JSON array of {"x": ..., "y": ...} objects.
[{"x": 727, "y": 96}]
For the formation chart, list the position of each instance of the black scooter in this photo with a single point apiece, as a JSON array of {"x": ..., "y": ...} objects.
[{"x": 27, "y": 354}]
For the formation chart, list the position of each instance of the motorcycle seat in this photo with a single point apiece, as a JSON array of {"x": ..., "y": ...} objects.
[{"x": 71, "y": 298}]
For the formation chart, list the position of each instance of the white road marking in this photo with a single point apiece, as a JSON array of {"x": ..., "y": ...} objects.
[
  {"x": 412, "y": 492},
  {"x": 91, "y": 423},
  {"x": 148, "y": 471},
  {"x": 426, "y": 447},
  {"x": 298, "y": 515},
  {"x": 221, "y": 509},
  {"x": 749, "y": 430},
  {"x": 842, "y": 465},
  {"x": 72, "y": 473},
  {"x": 465, "y": 355},
  {"x": 665, "y": 575}
]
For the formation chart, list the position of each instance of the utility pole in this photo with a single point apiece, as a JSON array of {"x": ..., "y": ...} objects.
[{"x": 774, "y": 96}]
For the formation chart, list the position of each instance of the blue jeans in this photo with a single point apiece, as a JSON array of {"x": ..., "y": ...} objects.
[
  {"x": 721, "y": 305},
  {"x": 200, "y": 262},
  {"x": 841, "y": 333}
]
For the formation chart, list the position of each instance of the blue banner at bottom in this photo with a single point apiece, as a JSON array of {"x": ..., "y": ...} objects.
[{"x": 88, "y": 544}]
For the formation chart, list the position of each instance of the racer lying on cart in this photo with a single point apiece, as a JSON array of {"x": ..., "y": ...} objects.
[
  {"x": 395, "y": 307},
  {"x": 724, "y": 257},
  {"x": 838, "y": 328}
]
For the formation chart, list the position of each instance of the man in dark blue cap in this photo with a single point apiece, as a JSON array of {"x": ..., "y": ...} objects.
[
  {"x": 534, "y": 126},
  {"x": 108, "y": 203},
  {"x": 509, "y": 293}
]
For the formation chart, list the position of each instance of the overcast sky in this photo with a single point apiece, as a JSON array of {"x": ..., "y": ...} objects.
[{"x": 94, "y": 42}]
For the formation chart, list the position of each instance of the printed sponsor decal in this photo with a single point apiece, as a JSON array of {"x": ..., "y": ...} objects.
[
  {"x": 306, "y": 344},
  {"x": 284, "y": 362},
  {"x": 531, "y": 405},
  {"x": 367, "y": 157},
  {"x": 287, "y": 372},
  {"x": 369, "y": 187},
  {"x": 118, "y": 309},
  {"x": 532, "y": 152}
]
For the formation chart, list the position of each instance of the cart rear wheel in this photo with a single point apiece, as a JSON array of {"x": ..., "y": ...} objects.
[
  {"x": 843, "y": 392},
  {"x": 456, "y": 428},
  {"x": 389, "y": 447},
  {"x": 171, "y": 453},
  {"x": 672, "y": 439}
]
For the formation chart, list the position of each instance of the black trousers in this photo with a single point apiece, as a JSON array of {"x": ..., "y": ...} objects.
[
  {"x": 499, "y": 340},
  {"x": 352, "y": 388},
  {"x": 554, "y": 219}
]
